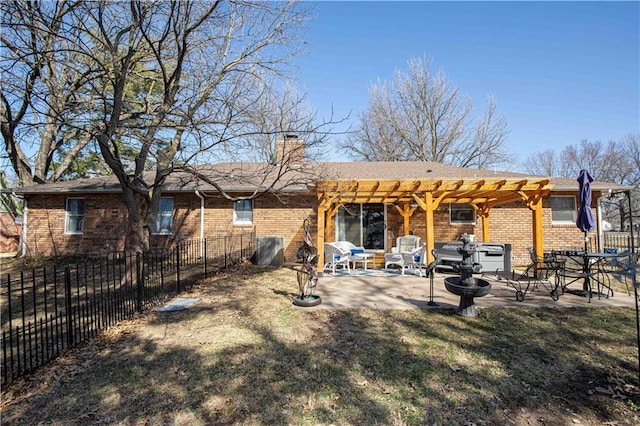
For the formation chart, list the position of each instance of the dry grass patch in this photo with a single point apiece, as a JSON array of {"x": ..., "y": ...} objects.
[{"x": 245, "y": 355}]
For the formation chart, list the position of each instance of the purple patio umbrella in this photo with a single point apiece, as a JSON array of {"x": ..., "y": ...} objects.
[{"x": 585, "y": 221}]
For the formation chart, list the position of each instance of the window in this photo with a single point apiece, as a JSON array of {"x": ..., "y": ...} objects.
[
  {"x": 563, "y": 209},
  {"x": 361, "y": 224},
  {"x": 243, "y": 212},
  {"x": 164, "y": 219},
  {"x": 462, "y": 214},
  {"x": 75, "y": 216}
]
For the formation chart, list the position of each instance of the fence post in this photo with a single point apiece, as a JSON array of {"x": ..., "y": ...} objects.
[
  {"x": 204, "y": 249},
  {"x": 162, "y": 260},
  {"x": 68, "y": 305},
  {"x": 225, "y": 250},
  {"x": 177, "y": 267},
  {"x": 139, "y": 282}
]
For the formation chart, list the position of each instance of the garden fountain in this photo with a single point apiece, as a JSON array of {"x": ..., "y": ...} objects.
[{"x": 466, "y": 285}]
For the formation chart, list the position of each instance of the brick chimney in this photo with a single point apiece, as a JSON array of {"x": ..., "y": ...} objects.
[{"x": 290, "y": 150}]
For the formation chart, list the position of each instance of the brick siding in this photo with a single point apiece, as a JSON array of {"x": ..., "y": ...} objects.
[
  {"x": 9, "y": 233},
  {"x": 508, "y": 224},
  {"x": 105, "y": 224}
]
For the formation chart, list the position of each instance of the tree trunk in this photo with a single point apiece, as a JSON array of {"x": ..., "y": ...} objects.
[{"x": 137, "y": 237}]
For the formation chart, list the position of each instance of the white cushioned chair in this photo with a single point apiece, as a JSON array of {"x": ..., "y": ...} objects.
[
  {"x": 336, "y": 256},
  {"x": 406, "y": 253}
]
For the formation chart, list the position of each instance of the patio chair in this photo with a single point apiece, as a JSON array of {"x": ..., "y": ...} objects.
[
  {"x": 620, "y": 267},
  {"x": 407, "y": 255},
  {"x": 348, "y": 246},
  {"x": 406, "y": 243},
  {"x": 358, "y": 253},
  {"x": 417, "y": 260},
  {"x": 545, "y": 267},
  {"x": 336, "y": 257},
  {"x": 538, "y": 272}
]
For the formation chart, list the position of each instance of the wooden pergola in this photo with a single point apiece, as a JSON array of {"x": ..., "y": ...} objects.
[{"x": 428, "y": 194}]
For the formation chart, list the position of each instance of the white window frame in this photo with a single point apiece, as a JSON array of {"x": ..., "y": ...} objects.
[
  {"x": 73, "y": 216},
  {"x": 574, "y": 211},
  {"x": 461, "y": 222},
  {"x": 243, "y": 216},
  {"x": 164, "y": 214}
]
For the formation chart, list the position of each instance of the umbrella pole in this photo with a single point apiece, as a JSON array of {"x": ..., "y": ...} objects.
[
  {"x": 586, "y": 242},
  {"x": 586, "y": 286}
]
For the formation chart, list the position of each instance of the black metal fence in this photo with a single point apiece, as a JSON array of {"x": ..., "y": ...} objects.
[
  {"x": 50, "y": 309},
  {"x": 621, "y": 241}
]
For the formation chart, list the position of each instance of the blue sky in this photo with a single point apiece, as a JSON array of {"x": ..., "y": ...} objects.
[{"x": 560, "y": 71}]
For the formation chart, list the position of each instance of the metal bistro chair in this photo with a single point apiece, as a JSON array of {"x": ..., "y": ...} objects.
[
  {"x": 620, "y": 267},
  {"x": 538, "y": 272}
]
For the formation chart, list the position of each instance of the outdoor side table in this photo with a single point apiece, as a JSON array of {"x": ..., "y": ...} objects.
[{"x": 362, "y": 258}]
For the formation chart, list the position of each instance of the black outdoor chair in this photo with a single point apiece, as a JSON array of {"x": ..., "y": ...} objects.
[
  {"x": 540, "y": 272},
  {"x": 620, "y": 267}
]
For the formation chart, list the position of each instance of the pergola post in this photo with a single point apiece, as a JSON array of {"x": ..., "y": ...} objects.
[
  {"x": 321, "y": 234},
  {"x": 406, "y": 212},
  {"x": 328, "y": 220},
  {"x": 405, "y": 218},
  {"x": 538, "y": 241},
  {"x": 485, "y": 228},
  {"x": 428, "y": 225},
  {"x": 483, "y": 212}
]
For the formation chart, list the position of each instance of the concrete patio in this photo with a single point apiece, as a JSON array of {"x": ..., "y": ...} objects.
[{"x": 383, "y": 289}]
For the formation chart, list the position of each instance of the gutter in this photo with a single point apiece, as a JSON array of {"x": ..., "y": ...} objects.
[
  {"x": 595, "y": 186},
  {"x": 201, "y": 196}
]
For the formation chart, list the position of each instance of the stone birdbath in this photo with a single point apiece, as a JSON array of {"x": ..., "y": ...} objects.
[
  {"x": 307, "y": 274},
  {"x": 466, "y": 285}
]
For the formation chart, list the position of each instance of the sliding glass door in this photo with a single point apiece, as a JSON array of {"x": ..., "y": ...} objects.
[{"x": 362, "y": 225}]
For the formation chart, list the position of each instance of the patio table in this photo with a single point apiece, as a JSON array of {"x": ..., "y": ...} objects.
[
  {"x": 590, "y": 270},
  {"x": 362, "y": 258}
]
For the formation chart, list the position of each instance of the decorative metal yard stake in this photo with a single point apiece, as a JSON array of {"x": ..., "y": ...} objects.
[
  {"x": 431, "y": 271},
  {"x": 307, "y": 276}
]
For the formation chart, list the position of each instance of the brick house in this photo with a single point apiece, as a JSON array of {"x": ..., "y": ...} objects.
[{"x": 369, "y": 204}]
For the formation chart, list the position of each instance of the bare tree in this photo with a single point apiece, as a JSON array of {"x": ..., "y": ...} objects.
[
  {"x": 544, "y": 163},
  {"x": 208, "y": 58},
  {"x": 424, "y": 116},
  {"x": 42, "y": 76},
  {"x": 281, "y": 132},
  {"x": 630, "y": 150},
  {"x": 614, "y": 161},
  {"x": 176, "y": 83}
]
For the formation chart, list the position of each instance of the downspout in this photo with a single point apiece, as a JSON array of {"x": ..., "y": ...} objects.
[
  {"x": 599, "y": 224},
  {"x": 199, "y": 195},
  {"x": 24, "y": 229}
]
